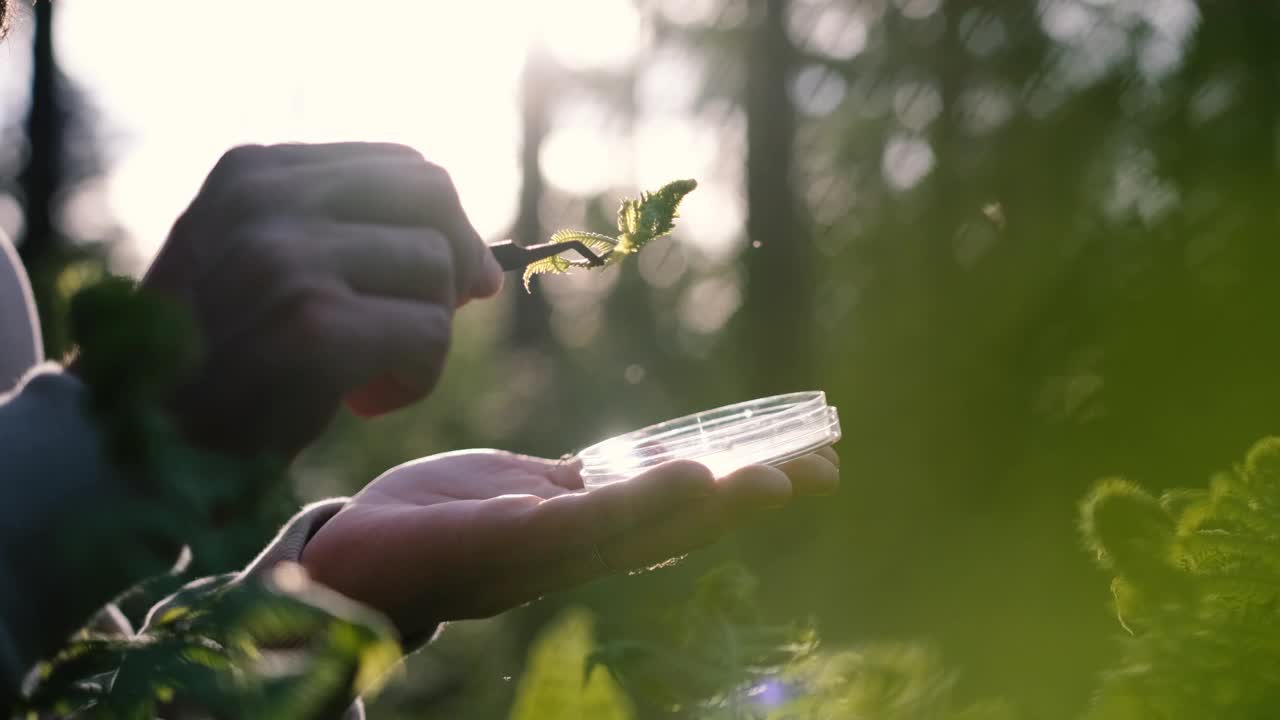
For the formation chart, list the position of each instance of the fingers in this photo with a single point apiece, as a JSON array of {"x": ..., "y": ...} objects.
[
  {"x": 402, "y": 262},
  {"x": 830, "y": 454},
  {"x": 259, "y": 157},
  {"x": 756, "y": 487},
  {"x": 383, "y": 394},
  {"x": 361, "y": 183},
  {"x": 368, "y": 336},
  {"x": 698, "y": 524},
  {"x": 677, "y": 521},
  {"x": 815, "y": 474},
  {"x": 298, "y": 153},
  {"x": 701, "y": 521},
  {"x": 405, "y": 192},
  {"x": 662, "y": 514},
  {"x": 379, "y": 263},
  {"x": 567, "y": 474},
  {"x": 683, "y": 528},
  {"x": 569, "y": 521}
]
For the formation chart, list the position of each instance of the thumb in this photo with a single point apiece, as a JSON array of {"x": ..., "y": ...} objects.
[
  {"x": 488, "y": 279},
  {"x": 383, "y": 394}
]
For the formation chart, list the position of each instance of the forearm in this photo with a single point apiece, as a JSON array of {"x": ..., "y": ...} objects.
[{"x": 66, "y": 547}]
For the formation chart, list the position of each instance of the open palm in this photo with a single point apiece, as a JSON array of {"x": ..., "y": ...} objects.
[{"x": 469, "y": 534}]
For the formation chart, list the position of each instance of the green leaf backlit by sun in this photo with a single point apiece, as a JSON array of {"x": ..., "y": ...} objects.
[{"x": 639, "y": 221}]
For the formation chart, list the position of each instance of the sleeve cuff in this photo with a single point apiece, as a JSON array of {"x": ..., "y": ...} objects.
[
  {"x": 288, "y": 546},
  {"x": 291, "y": 540},
  {"x": 293, "y": 537}
]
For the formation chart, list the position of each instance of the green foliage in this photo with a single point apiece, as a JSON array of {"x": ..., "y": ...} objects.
[
  {"x": 1114, "y": 316},
  {"x": 274, "y": 648},
  {"x": 716, "y": 658},
  {"x": 281, "y": 649},
  {"x": 133, "y": 350},
  {"x": 885, "y": 682},
  {"x": 709, "y": 650},
  {"x": 561, "y": 683},
  {"x": 1197, "y": 585},
  {"x": 639, "y": 221}
]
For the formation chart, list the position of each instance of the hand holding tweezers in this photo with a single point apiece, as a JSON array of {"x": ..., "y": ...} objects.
[{"x": 516, "y": 257}]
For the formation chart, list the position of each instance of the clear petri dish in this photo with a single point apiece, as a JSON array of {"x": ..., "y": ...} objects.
[{"x": 765, "y": 431}]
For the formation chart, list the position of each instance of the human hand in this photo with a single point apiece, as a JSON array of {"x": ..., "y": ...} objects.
[
  {"x": 316, "y": 272},
  {"x": 470, "y": 534}
]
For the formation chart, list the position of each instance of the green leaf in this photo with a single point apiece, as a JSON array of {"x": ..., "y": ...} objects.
[
  {"x": 652, "y": 216},
  {"x": 554, "y": 685},
  {"x": 1197, "y": 584},
  {"x": 600, "y": 244},
  {"x": 709, "y": 648},
  {"x": 556, "y": 264}
]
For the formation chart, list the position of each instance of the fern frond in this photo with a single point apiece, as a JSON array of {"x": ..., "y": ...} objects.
[
  {"x": 557, "y": 264},
  {"x": 600, "y": 244},
  {"x": 650, "y": 217},
  {"x": 1197, "y": 581},
  {"x": 639, "y": 221}
]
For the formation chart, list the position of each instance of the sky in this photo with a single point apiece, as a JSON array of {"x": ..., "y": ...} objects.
[{"x": 178, "y": 82}]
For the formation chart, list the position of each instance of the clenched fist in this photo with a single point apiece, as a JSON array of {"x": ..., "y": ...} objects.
[{"x": 316, "y": 273}]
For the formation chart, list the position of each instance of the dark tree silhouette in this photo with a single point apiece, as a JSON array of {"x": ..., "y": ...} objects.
[
  {"x": 41, "y": 246},
  {"x": 778, "y": 301},
  {"x": 61, "y": 152}
]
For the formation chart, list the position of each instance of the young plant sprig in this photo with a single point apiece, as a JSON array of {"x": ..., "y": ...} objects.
[{"x": 639, "y": 221}]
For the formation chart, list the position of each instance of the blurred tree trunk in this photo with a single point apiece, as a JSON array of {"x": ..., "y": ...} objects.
[
  {"x": 529, "y": 326},
  {"x": 41, "y": 247},
  {"x": 777, "y": 312}
]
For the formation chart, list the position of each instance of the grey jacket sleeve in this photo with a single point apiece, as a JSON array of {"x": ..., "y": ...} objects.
[
  {"x": 56, "y": 567},
  {"x": 21, "y": 347}
]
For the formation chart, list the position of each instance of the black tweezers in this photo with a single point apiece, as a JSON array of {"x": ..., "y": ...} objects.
[{"x": 516, "y": 257}]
